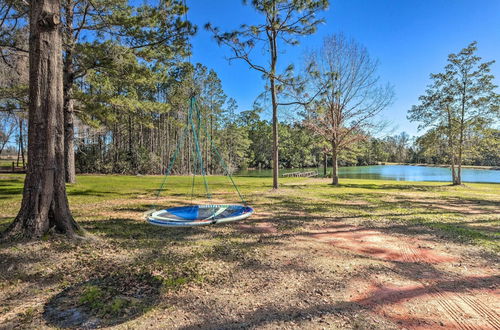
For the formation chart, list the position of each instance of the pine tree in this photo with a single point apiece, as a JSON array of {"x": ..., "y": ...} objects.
[
  {"x": 284, "y": 22},
  {"x": 459, "y": 101},
  {"x": 45, "y": 204}
]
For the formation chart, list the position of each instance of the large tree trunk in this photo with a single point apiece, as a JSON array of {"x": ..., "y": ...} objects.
[
  {"x": 20, "y": 153},
  {"x": 458, "y": 177},
  {"x": 274, "y": 59},
  {"x": 45, "y": 204},
  {"x": 69, "y": 145},
  {"x": 68, "y": 81},
  {"x": 451, "y": 146},
  {"x": 275, "y": 136},
  {"x": 335, "y": 171}
]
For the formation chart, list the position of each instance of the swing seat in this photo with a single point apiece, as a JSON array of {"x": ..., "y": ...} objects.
[{"x": 199, "y": 215}]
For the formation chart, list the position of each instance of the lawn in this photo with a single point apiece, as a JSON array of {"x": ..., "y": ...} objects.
[{"x": 245, "y": 274}]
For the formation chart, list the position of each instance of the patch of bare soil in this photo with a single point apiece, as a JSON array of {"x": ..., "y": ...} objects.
[{"x": 428, "y": 297}]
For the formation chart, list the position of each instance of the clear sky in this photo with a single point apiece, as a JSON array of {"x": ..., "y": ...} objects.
[{"x": 410, "y": 38}]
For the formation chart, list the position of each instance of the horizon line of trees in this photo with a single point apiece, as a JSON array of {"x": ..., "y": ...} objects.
[
  {"x": 133, "y": 125},
  {"x": 244, "y": 140}
]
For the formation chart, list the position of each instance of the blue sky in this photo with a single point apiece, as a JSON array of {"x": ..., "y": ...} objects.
[{"x": 410, "y": 38}]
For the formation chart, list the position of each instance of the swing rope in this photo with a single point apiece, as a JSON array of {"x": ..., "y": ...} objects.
[{"x": 194, "y": 114}]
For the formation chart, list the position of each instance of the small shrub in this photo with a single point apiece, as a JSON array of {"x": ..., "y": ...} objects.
[{"x": 92, "y": 296}]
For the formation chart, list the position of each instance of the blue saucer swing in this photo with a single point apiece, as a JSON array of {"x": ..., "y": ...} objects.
[
  {"x": 199, "y": 215},
  {"x": 204, "y": 214}
]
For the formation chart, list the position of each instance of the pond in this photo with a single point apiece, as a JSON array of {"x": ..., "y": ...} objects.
[{"x": 396, "y": 172}]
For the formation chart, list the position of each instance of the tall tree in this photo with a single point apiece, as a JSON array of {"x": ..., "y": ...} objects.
[
  {"x": 353, "y": 98},
  {"x": 45, "y": 204},
  {"x": 459, "y": 101},
  {"x": 284, "y": 21},
  {"x": 151, "y": 32},
  {"x": 92, "y": 29},
  {"x": 13, "y": 90}
]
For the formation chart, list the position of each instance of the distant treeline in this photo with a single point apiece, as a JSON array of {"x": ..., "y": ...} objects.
[
  {"x": 134, "y": 125},
  {"x": 244, "y": 141},
  {"x": 120, "y": 135}
]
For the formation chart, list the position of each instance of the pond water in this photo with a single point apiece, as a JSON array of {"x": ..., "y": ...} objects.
[{"x": 396, "y": 172}]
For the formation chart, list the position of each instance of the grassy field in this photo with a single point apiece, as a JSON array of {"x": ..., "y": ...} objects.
[
  {"x": 432, "y": 204},
  {"x": 123, "y": 247}
]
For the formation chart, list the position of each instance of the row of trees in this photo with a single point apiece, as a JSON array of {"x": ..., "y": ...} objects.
[
  {"x": 130, "y": 119},
  {"x": 72, "y": 42},
  {"x": 99, "y": 38}
]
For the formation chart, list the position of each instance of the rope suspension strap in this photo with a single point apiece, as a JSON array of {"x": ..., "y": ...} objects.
[
  {"x": 226, "y": 169},
  {"x": 224, "y": 164},
  {"x": 196, "y": 129},
  {"x": 203, "y": 214}
]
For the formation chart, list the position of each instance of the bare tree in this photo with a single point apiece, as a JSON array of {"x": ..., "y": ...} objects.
[
  {"x": 344, "y": 113},
  {"x": 14, "y": 92},
  {"x": 45, "y": 204}
]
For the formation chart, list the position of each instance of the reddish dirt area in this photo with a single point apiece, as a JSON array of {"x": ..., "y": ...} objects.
[
  {"x": 431, "y": 299},
  {"x": 378, "y": 245},
  {"x": 336, "y": 275}
]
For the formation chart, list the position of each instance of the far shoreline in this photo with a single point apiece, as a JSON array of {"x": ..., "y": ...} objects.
[{"x": 477, "y": 167}]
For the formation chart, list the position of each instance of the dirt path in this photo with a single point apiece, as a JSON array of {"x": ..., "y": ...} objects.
[{"x": 470, "y": 302}]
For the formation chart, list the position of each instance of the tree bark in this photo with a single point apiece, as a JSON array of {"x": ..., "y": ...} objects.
[
  {"x": 69, "y": 77},
  {"x": 458, "y": 177},
  {"x": 69, "y": 144},
  {"x": 451, "y": 146},
  {"x": 335, "y": 174},
  {"x": 45, "y": 204},
  {"x": 275, "y": 137},
  {"x": 325, "y": 164},
  {"x": 20, "y": 153},
  {"x": 464, "y": 95}
]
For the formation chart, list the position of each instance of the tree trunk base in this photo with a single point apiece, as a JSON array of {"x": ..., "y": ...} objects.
[{"x": 29, "y": 227}]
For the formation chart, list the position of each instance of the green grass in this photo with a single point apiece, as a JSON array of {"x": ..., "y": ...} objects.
[
  {"x": 7, "y": 161},
  {"x": 465, "y": 213}
]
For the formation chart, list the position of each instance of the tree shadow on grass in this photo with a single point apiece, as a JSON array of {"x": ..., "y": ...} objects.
[
  {"x": 139, "y": 233},
  {"x": 94, "y": 193},
  {"x": 457, "y": 204},
  {"x": 104, "y": 301},
  {"x": 10, "y": 191}
]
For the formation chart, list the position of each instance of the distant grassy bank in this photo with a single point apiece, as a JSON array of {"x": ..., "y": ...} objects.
[{"x": 478, "y": 167}]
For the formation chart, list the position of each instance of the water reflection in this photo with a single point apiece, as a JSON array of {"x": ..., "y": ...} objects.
[{"x": 396, "y": 172}]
